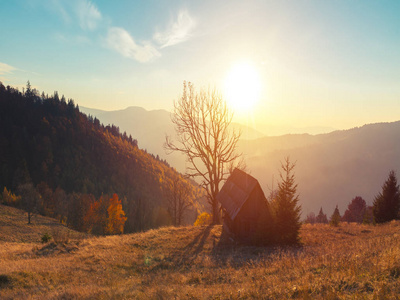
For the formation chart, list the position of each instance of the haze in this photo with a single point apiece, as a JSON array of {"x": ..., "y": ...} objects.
[{"x": 324, "y": 64}]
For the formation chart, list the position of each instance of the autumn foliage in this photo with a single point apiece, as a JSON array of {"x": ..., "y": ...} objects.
[
  {"x": 105, "y": 216},
  {"x": 66, "y": 155},
  {"x": 116, "y": 216}
]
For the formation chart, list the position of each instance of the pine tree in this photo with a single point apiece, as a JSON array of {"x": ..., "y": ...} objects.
[
  {"x": 355, "y": 210},
  {"x": 321, "y": 218},
  {"x": 387, "y": 203},
  {"x": 287, "y": 209},
  {"x": 335, "y": 218}
]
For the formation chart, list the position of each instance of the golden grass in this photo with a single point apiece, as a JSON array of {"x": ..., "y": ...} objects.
[
  {"x": 14, "y": 227},
  {"x": 348, "y": 262}
]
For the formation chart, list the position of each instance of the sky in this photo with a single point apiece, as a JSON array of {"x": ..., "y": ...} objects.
[{"x": 318, "y": 63}]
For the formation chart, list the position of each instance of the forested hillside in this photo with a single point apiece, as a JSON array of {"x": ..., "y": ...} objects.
[{"x": 46, "y": 141}]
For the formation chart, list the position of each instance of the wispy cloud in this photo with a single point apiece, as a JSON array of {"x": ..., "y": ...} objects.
[
  {"x": 6, "y": 69},
  {"x": 72, "y": 39},
  {"x": 81, "y": 12},
  {"x": 88, "y": 14},
  {"x": 178, "y": 31},
  {"x": 54, "y": 6},
  {"x": 121, "y": 41}
]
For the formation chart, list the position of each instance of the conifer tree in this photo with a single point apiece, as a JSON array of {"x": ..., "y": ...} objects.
[
  {"x": 287, "y": 210},
  {"x": 321, "y": 218},
  {"x": 355, "y": 210},
  {"x": 335, "y": 218},
  {"x": 387, "y": 203}
]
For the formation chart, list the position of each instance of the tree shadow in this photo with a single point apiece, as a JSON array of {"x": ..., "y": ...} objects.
[
  {"x": 237, "y": 254},
  {"x": 224, "y": 251},
  {"x": 191, "y": 251}
]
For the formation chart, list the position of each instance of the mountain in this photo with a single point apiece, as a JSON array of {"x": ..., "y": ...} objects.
[
  {"x": 150, "y": 128},
  {"x": 48, "y": 143},
  {"x": 331, "y": 169}
]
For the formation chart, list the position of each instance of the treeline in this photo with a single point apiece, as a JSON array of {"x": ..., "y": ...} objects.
[
  {"x": 46, "y": 142},
  {"x": 385, "y": 208}
]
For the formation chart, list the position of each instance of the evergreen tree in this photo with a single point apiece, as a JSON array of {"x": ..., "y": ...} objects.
[
  {"x": 335, "y": 218},
  {"x": 355, "y": 210},
  {"x": 387, "y": 203},
  {"x": 287, "y": 209},
  {"x": 310, "y": 219},
  {"x": 321, "y": 218}
]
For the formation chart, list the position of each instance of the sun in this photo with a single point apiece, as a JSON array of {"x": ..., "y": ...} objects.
[{"x": 242, "y": 87}]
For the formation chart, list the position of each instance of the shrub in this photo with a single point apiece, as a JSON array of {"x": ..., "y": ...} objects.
[
  {"x": 46, "y": 238},
  {"x": 9, "y": 198},
  {"x": 203, "y": 219}
]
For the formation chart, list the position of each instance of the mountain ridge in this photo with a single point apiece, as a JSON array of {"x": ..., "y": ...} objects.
[{"x": 323, "y": 158}]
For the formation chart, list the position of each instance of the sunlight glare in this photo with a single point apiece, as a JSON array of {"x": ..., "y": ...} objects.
[{"x": 242, "y": 87}]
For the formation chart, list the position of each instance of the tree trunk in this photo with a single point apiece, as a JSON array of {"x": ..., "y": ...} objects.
[{"x": 215, "y": 212}]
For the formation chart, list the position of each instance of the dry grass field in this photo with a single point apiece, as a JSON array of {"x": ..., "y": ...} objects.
[{"x": 348, "y": 262}]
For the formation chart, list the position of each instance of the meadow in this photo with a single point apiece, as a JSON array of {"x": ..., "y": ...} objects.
[{"x": 351, "y": 261}]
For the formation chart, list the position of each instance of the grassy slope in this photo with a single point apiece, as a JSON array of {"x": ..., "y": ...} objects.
[
  {"x": 351, "y": 261},
  {"x": 14, "y": 227}
]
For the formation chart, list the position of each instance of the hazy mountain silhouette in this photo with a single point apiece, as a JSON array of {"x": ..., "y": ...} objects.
[
  {"x": 331, "y": 168},
  {"x": 150, "y": 128}
]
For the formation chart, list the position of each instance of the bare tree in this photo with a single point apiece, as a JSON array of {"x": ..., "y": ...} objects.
[
  {"x": 29, "y": 199},
  {"x": 202, "y": 126},
  {"x": 179, "y": 196}
]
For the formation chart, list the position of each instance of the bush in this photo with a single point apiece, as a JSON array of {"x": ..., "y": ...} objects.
[
  {"x": 203, "y": 219},
  {"x": 9, "y": 198},
  {"x": 46, "y": 238}
]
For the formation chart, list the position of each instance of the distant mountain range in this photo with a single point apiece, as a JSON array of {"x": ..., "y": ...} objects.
[
  {"x": 150, "y": 128},
  {"x": 331, "y": 168}
]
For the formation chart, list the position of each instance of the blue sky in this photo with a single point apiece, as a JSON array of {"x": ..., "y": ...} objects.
[{"x": 320, "y": 63}]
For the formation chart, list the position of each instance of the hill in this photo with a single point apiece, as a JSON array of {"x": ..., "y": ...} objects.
[
  {"x": 150, "y": 128},
  {"x": 350, "y": 261},
  {"x": 14, "y": 228},
  {"x": 331, "y": 168},
  {"x": 47, "y": 141}
]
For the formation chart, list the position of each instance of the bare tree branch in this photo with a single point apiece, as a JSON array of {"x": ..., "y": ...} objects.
[{"x": 202, "y": 127}]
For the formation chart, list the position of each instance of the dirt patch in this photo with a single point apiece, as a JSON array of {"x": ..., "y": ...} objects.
[{"x": 54, "y": 248}]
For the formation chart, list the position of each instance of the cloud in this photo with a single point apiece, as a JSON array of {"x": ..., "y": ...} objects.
[
  {"x": 58, "y": 7},
  {"x": 88, "y": 14},
  {"x": 6, "y": 69},
  {"x": 121, "y": 41},
  {"x": 177, "y": 32},
  {"x": 82, "y": 12}
]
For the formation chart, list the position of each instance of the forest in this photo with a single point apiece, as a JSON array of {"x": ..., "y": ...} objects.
[{"x": 72, "y": 167}]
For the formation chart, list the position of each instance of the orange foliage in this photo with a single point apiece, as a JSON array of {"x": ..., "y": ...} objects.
[
  {"x": 116, "y": 216},
  {"x": 93, "y": 218}
]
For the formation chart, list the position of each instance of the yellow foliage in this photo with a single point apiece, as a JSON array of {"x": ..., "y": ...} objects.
[
  {"x": 203, "y": 219},
  {"x": 116, "y": 216},
  {"x": 9, "y": 198}
]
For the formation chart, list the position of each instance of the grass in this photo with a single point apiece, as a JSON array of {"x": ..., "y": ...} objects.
[
  {"x": 346, "y": 262},
  {"x": 14, "y": 227}
]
